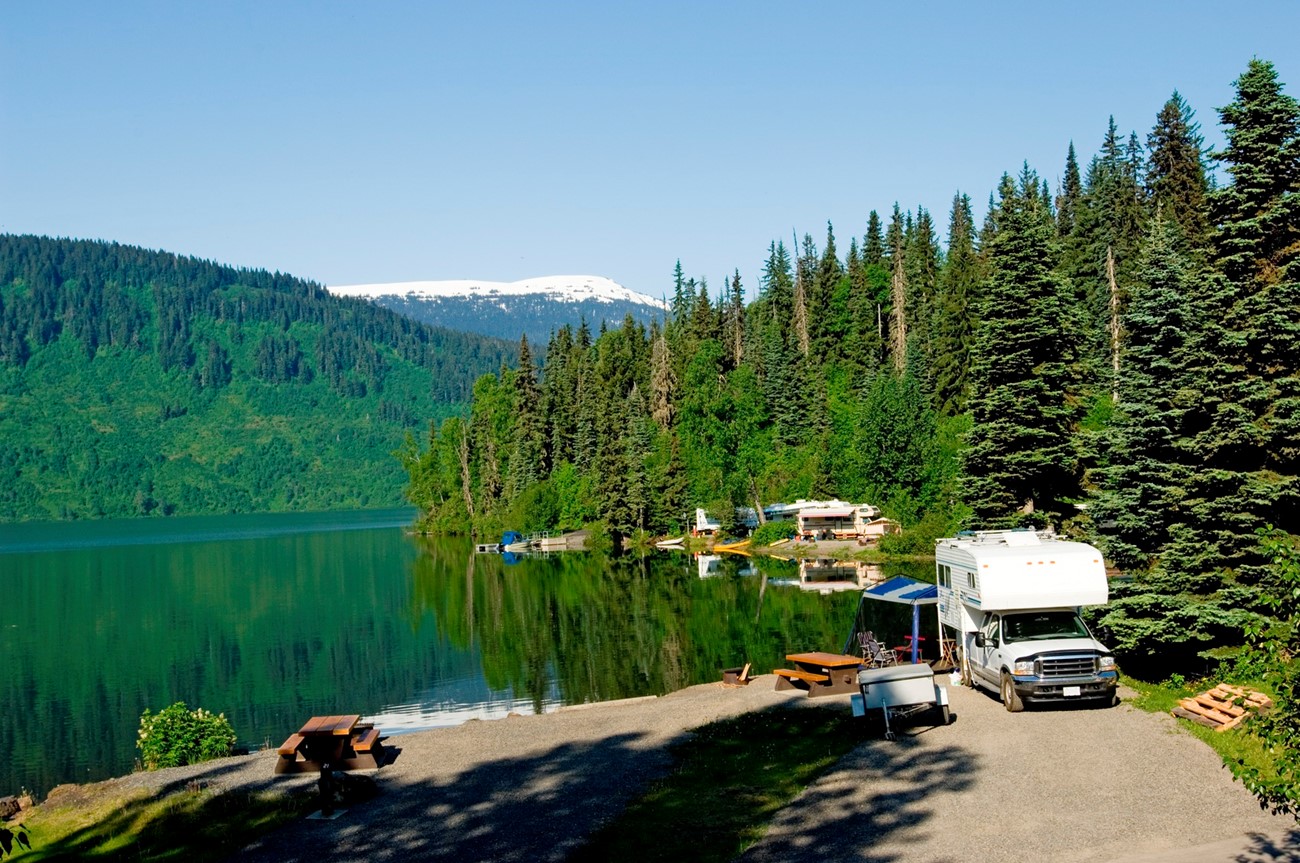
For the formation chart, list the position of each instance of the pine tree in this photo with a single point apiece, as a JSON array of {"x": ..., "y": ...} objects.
[
  {"x": 804, "y": 275},
  {"x": 1252, "y": 447},
  {"x": 1176, "y": 176},
  {"x": 957, "y": 287},
  {"x": 873, "y": 244},
  {"x": 898, "y": 292},
  {"x": 734, "y": 321},
  {"x": 527, "y": 458},
  {"x": 921, "y": 262},
  {"x": 1151, "y": 457},
  {"x": 663, "y": 382},
  {"x": 682, "y": 297},
  {"x": 1019, "y": 466},
  {"x": 559, "y": 396},
  {"x": 1101, "y": 252}
]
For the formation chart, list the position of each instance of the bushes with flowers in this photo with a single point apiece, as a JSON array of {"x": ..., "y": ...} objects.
[{"x": 177, "y": 735}]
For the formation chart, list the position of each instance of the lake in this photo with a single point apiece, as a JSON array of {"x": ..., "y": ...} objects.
[{"x": 273, "y": 618}]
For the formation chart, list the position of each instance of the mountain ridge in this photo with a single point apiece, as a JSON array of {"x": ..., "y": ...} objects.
[{"x": 534, "y": 307}]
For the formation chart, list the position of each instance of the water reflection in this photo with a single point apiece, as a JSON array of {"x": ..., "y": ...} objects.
[{"x": 271, "y": 627}]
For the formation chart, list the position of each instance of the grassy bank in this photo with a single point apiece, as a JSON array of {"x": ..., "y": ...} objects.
[
  {"x": 729, "y": 781},
  {"x": 113, "y": 821}
]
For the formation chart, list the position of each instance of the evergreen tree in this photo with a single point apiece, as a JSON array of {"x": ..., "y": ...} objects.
[
  {"x": 683, "y": 298},
  {"x": 527, "y": 458},
  {"x": 1252, "y": 447},
  {"x": 802, "y": 310},
  {"x": 663, "y": 382},
  {"x": 873, "y": 244},
  {"x": 899, "y": 305},
  {"x": 1101, "y": 252},
  {"x": 1176, "y": 177},
  {"x": 734, "y": 321},
  {"x": 957, "y": 287},
  {"x": 921, "y": 262},
  {"x": 1150, "y": 453},
  {"x": 1019, "y": 465}
]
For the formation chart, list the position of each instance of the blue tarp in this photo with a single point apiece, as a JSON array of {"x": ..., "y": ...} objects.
[{"x": 906, "y": 590}]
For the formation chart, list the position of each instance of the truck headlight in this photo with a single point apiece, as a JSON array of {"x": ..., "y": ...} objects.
[
  {"x": 1106, "y": 663},
  {"x": 1023, "y": 668}
]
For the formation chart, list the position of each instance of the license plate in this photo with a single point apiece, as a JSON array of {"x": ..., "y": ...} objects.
[{"x": 1070, "y": 691}]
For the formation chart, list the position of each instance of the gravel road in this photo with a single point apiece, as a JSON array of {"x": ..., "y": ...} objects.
[
  {"x": 1063, "y": 785},
  {"x": 1068, "y": 785}
]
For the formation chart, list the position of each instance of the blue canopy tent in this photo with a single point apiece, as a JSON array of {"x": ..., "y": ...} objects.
[{"x": 907, "y": 591}]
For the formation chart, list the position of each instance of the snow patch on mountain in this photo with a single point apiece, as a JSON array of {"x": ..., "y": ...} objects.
[{"x": 571, "y": 289}]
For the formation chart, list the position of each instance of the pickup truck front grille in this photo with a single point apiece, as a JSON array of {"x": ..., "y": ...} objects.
[{"x": 1073, "y": 665}]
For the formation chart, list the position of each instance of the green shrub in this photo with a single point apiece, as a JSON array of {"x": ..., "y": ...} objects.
[
  {"x": 766, "y": 534},
  {"x": 176, "y": 735}
]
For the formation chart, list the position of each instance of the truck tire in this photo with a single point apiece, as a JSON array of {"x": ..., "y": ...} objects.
[{"x": 1009, "y": 697}]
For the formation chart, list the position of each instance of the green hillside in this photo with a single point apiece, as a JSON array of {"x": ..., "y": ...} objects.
[{"x": 135, "y": 382}]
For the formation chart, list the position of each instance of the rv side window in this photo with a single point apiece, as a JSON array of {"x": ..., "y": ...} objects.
[
  {"x": 970, "y": 580},
  {"x": 945, "y": 576}
]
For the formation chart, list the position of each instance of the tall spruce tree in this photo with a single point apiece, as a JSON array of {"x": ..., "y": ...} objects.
[
  {"x": 899, "y": 306},
  {"x": 1176, "y": 177},
  {"x": 953, "y": 318},
  {"x": 1019, "y": 467},
  {"x": 1151, "y": 456},
  {"x": 527, "y": 460},
  {"x": 873, "y": 244},
  {"x": 1252, "y": 447},
  {"x": 1067, "y": 203},
  {"x": 1101, "y": 252}
]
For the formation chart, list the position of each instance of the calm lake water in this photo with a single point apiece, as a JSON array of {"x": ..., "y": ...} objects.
[{"x": 273, "y": 618}]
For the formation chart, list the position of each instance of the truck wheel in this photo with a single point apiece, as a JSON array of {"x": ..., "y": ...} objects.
[{"x": 1009, "y": 697}]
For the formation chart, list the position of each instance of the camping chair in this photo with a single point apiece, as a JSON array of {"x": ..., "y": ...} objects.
[{"x": 872, "y": 651}]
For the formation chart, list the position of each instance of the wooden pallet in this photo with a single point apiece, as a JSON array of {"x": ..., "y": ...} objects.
[{"x": 1222, "y": 707}]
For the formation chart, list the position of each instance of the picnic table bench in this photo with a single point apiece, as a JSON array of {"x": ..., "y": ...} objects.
[{"x": 344, "y": 742}]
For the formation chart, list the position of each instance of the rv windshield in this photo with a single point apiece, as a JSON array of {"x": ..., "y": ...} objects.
[{"x": 1042, "y": 625}]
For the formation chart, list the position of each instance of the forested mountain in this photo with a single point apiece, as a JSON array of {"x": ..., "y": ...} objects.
[
  {"x": 135, "y": 382},
  {"x": 1116, "y": 358},
  {"x": 533, "y": 307}
]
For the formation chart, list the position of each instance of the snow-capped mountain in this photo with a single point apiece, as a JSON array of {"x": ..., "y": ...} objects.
[{"x": 534, "y": 306}]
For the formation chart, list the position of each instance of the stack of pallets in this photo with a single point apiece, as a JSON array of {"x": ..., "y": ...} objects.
[{"x": 1222, "y": 707}]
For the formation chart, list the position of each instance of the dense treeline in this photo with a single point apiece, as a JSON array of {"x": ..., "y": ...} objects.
[
  {"x": 1115, "y": 358},
  {"x": 137, "y": 382}
]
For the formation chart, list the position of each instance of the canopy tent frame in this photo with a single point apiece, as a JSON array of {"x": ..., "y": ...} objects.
[{"x": 905, "y": 591}]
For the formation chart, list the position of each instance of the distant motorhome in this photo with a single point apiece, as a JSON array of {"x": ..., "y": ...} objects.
[{"x": 814, "y": 519}]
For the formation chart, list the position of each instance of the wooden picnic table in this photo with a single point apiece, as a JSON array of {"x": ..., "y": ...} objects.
[
  {"x": 820, "y": 673},
  {"x": 824, "y": 661},
  {"x": 342, "y": 741}
]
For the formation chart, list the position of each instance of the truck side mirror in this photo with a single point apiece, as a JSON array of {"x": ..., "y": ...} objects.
[{"x": 979, "y": 639}]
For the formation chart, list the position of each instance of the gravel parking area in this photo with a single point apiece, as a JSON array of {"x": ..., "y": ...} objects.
[{"x": 1068, "y": 785}]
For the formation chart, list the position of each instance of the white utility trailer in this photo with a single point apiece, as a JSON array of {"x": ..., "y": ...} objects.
[{"x": 900, "y": 692}]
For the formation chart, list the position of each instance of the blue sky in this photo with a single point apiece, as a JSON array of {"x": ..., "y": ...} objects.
[{"x": 349, "y": 142}]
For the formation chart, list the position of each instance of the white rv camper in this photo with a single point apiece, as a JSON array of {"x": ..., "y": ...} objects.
[{"x": 1011, "y": 599}]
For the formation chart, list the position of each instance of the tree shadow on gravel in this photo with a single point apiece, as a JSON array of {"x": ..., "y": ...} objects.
[
  {"x": 880, "y": 789},
  {"x": 532, "y": 808},
  {"x": 1271, "y": 849}
]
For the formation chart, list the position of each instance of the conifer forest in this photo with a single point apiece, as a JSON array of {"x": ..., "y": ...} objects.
[{"x": 1114, "y": 354}]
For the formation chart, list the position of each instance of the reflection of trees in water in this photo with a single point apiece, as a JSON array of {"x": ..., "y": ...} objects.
[{"x": 606, "y": 628}]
